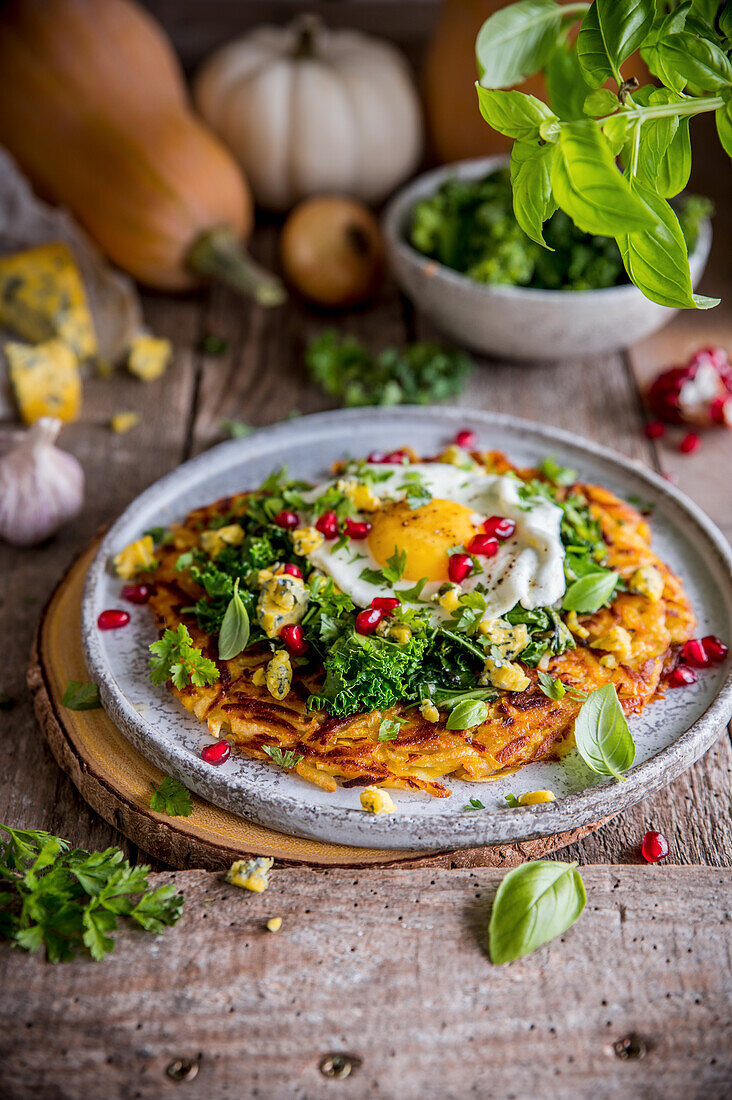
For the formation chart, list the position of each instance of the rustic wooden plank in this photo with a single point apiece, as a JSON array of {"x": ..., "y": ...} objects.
[
  {"x": 390, "y": 970},
  {"x": 117, "y": 468}
]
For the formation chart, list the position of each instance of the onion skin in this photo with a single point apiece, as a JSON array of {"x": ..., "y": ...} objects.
[{"x": 332, "y": 251}]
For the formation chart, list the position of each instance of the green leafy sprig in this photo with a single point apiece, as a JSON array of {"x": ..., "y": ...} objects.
[
  {"x": 564, "y": 156},
  {"x": 64, "y": 899}
]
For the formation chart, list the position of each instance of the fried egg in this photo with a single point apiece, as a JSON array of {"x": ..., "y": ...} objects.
[{"x": 425, "y": 511}]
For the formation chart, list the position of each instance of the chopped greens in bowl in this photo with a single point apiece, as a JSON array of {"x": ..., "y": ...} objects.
[{"x": 469, "y": 225}]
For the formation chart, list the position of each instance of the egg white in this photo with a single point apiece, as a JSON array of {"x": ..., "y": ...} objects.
[{"x": 528, "y": 568}]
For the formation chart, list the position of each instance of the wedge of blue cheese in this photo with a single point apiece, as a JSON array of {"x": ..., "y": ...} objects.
[{"x": 42, "y": 298}]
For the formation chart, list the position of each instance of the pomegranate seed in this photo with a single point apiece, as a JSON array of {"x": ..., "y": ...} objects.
[
  {"x": 655, "y": 429},
  {"x": 689, "y": 443},
  {"x": 720, "y": 411},
  {"x": 113, "y": 619},
  {"x": 663, "y": 395},
  {"x": 459, "y": 567},
  {"x": 292, "y": 570},
  {"x": 694, "y": 653},
  {"x": 465, "y": 438},
  {"x": 327, "y": 524},
  {"x": 500, "y": 527},
  {"x": 376, "y": 457},
  {"x": 294, "y": 639},
  {"x": 368, "y": 620},
  {"x": 485, "y": 545},
  {"x": 385, "y": 604},
  {"x": 681, "y": 676},
  {"x": 716, "y": 356},
  {"x": 137, "y": 593},
  {"x": 357, "y": 530},
  {"x": 654, "y": 847},
  {"x": 396, "y": 458},
  {"x": 288, "y": 520},
  {"x": 715, "y": 649},
  {"x": 216, "y": 754}
]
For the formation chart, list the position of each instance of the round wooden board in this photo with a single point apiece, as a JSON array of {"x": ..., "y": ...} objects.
[{"x": 116, "y": 780}]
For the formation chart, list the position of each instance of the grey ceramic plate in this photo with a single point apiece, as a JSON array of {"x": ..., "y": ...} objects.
[{"x": 670, "y": 735}]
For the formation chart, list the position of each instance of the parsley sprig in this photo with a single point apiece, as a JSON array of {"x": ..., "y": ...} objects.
[
  {"x": 174, "y": 657},
  {"x": 419, "y": 374},
  {"x": 64, "y": 899}
]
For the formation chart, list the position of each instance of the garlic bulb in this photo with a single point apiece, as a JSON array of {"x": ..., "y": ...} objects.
[{"x": 41, "y": 487}]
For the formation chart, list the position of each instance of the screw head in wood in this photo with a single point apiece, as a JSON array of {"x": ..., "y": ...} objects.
[
  {"x": 338, "y": 1065},
  {"x": 630, "y": 1047},
  {"x": 183, "y": 1069}
]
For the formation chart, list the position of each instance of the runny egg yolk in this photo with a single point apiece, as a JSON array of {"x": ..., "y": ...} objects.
[{"x": 426, "y": 533}]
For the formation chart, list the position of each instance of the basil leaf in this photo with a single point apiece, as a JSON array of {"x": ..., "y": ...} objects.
[
  {"x": 234, "y": 633},
  {"x": 697, "y": 61},
  {"x": 566, "y": 83},
  {"x": 600, "y": 102},
  {"x": 664, "y": 149},
  {"x": 588, "y": 186},
  {"x": 553, "y": 689},
  {"x": 590, "y": 593},
  {"x": 601, "y": 733},
  {"x": 725, "y": 21},
  {"x": 81, "y": 696},
  {"x": 657, "y": 261},
  {"x": 624, "y": 26},
  {"x": 533, "y": 201},
  {"x": 616, "y": 129},
  {"x": 517, "y": 115},
  {"x": 663, "y": 28},
  {"x": 469, "y": 713},
  {"x": 535, "y": 903},
  {"x": 723, "y": 118},
  {"x": 516, "y": 42},
  {"x": 591, "y": 52}
]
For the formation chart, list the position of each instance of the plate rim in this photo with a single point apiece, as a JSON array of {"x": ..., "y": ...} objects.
[{"x": 404, "y": 830}]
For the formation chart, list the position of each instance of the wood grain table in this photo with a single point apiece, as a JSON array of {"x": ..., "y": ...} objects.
[{"x": 378, "y": 984}]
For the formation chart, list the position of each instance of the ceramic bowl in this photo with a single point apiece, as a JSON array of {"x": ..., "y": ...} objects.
[{"x": 517, "y": 322}]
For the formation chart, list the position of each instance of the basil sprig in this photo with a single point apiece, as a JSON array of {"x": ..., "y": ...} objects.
[
  {"x": 234, "y": 633},
  {"x": 563, "y": 158},
  {"x": 535, "y": 903},
  {"x": 591, "y": 592},
  {"x": 468, "y": 713},
  {"x": 601, "y": 734}
]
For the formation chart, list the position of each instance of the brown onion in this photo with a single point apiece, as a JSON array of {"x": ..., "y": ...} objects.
[{"x": 332, "y": 252}]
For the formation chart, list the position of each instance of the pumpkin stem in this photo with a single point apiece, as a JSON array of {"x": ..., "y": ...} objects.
[
  {"x": 218, "y": 254},
  {"x": 306, "y": 27}
]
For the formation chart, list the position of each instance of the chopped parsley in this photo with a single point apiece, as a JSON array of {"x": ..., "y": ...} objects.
[
  {"x": 286, "y": 758},
  {"x": 389, "y": 728},
  {"x": 81, "y": 696},
  {"x": 66, "y": 899},
  {"x": 474, "y": 804},
  {"x": 419, "y": 374},
  {"x": 172, "y": 798},
  {"x": 174, "y": 657}
]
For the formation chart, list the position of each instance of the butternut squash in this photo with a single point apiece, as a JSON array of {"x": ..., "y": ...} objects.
[{"x": 95, "y": 110}]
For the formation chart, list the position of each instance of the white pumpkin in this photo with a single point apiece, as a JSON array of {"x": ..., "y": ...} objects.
[{"x": 309, "y": 111}]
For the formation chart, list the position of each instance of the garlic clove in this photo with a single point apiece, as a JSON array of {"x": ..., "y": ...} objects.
[{"x": 41, "y": 486}]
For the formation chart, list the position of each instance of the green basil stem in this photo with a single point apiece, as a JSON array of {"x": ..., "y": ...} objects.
[{"x": 660, "y": 110}]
